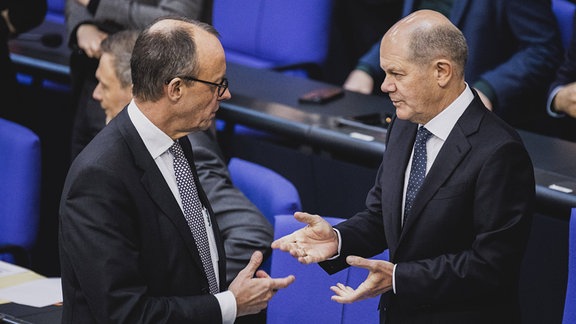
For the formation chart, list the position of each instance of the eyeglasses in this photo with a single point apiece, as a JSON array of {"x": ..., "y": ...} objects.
[{"x": 222, "y": 86}]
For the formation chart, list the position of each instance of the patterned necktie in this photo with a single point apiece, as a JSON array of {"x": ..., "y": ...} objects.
[
  {"x": 417, "y": 171},
  {"x": 193, "y": 211}
]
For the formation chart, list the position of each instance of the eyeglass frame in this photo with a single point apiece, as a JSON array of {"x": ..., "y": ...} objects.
[{"x": 222, "y": 86}]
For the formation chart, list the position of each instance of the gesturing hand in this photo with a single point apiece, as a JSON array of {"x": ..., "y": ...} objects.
[
  {"x": 379, "y": 281},
  {"x": 315, "y": 242},
  {"x": 252, "y": 294}
]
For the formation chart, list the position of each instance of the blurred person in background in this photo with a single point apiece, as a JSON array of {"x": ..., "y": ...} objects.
[
  {"x": 16, "y": 16},
  {"x": 515, "y": 48},
  {"x": 89, "y": 22},
  {"x": 562, "y": 96}
]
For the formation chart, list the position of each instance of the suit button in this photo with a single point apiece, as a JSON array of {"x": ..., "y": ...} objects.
[{"x": 205, "y": 290}]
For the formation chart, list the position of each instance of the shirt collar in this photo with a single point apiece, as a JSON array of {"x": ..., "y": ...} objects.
[
  {"x": 155, "y": 140},
  {"x": 441, "y": 125}
]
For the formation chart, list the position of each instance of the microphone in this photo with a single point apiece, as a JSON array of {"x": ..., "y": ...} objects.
[{"x": 48, "y": 40}]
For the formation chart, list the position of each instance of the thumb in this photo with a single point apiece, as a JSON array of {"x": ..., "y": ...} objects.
[
  {"x": 253, "y": 264},
  {"x": 303, "y": 217}
]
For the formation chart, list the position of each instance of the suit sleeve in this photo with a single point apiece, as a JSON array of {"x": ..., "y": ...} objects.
[
  {"x": 567, "y": 71},
  {"x": 535, "y": 34},
  {"x": 137, "y": 14}
]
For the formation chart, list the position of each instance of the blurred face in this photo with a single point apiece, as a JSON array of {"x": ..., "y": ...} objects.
[
  {"x": 413, "y": 89},
  {"x": 109, "y": 92}
]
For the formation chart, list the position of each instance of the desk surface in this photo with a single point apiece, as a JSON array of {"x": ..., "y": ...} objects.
[
  {"x": 34, "y": 315},
  {"x": 269, "y": 100},
  {"x": 31, "y": 57}
]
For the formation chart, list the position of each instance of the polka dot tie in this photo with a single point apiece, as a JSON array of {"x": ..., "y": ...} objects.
[
  {"x": 417, "y": 171},
  {"x": 193, "y": 211}
]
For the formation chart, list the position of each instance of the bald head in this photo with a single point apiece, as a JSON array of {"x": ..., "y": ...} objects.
[
  {"x": 428, "y": 35},
  {"x": 169, "y": 47}
]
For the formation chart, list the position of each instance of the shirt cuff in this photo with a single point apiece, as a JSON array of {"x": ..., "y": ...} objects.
[
  {"x": 551, "y": 111},
  {"x": 339, "y": 244},
  {"x": 228, "y": 307},
  {"x": 394, "y": 279}
]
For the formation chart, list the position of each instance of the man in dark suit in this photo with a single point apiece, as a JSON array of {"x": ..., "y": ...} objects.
[
  {"x": 562, "y": 94},
  {"x": 128, "y": 254},
  {"x": 457, "y": 242},
  {"x": 514, "y": 47},
  {"x": 243, "y": 227}
]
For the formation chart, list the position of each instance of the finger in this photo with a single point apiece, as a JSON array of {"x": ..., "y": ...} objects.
[
  {"x": 282, "y": 242},
  {"x": 253, "y": 264},
  {"x": 306, "y": 218},
  {"x": 262, "y": 274},
  {"x": 279, "y": 283},
  {"x": 359, "y": 262}
]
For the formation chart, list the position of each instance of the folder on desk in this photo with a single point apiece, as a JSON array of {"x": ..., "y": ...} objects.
[{"x": 26, "y": 287}]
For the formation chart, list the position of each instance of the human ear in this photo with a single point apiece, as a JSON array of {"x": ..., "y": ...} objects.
[
  {"x": 174, "y": 89},
  {"x": 443, "y": 70}
]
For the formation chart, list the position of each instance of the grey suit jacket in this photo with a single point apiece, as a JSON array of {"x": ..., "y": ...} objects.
[
  {"x": 243, "y": 227},
  {"x": 458, "y": 255},
  {"x": 127, "y": 253},
  {"x": 131, "y": 14}
]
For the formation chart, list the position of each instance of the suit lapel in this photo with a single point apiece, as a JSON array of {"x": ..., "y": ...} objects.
[
  {"x": 398, "y": 150},
  {"x": 154, "y": 182},
  {"x": 453, "y": 151}
]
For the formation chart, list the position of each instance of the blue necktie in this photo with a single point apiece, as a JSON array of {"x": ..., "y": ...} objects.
[
  {"x": 193, "y": 211},
  {"x": 417, "y": 171}
]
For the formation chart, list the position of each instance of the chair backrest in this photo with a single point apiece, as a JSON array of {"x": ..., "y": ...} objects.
[
  {"x": 274, "y": 34},
  {"x": 271, "y": 192},
  {"x": 290, "y": 306},
  {"x": 20, "y": 183},
  {"x": 564, "y": 11},
  {"x": 570, "y": 303},
  {"x": 56, "y": 10}
]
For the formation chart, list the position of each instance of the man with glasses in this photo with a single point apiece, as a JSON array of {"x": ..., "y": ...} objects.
[
  {"x": 243, "y": 227},
  {"x": 131, "y": 248}
]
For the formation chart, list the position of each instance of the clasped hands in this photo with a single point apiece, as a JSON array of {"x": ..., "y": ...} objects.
[{"x": 318, "y": 241}]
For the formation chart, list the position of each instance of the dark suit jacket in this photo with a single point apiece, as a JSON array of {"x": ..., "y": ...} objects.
[
  {"x": 459, "y": 253},
  {"x": 514, "y": 46},
  {"x": 567, "y": 74},
  {"x": 127, "y": 253}
]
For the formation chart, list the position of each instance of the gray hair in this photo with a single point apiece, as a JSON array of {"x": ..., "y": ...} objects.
[
  {"x": 442, "y": 41},
  {"x": 119, "y": 45},
  {"x": 162, "y": 54}
]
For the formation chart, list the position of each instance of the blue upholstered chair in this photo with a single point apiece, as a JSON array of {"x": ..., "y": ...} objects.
[
  {"x": 271, "y": 192},
  {"x": 570, "y": 303},
  {"x": 290, "y": 306},
  {"x": 20, "y": 167},
  {"x": 307, "y": 300},
  {"x": 290, "y": 36},
  {"x": 564, "y": 11}
]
